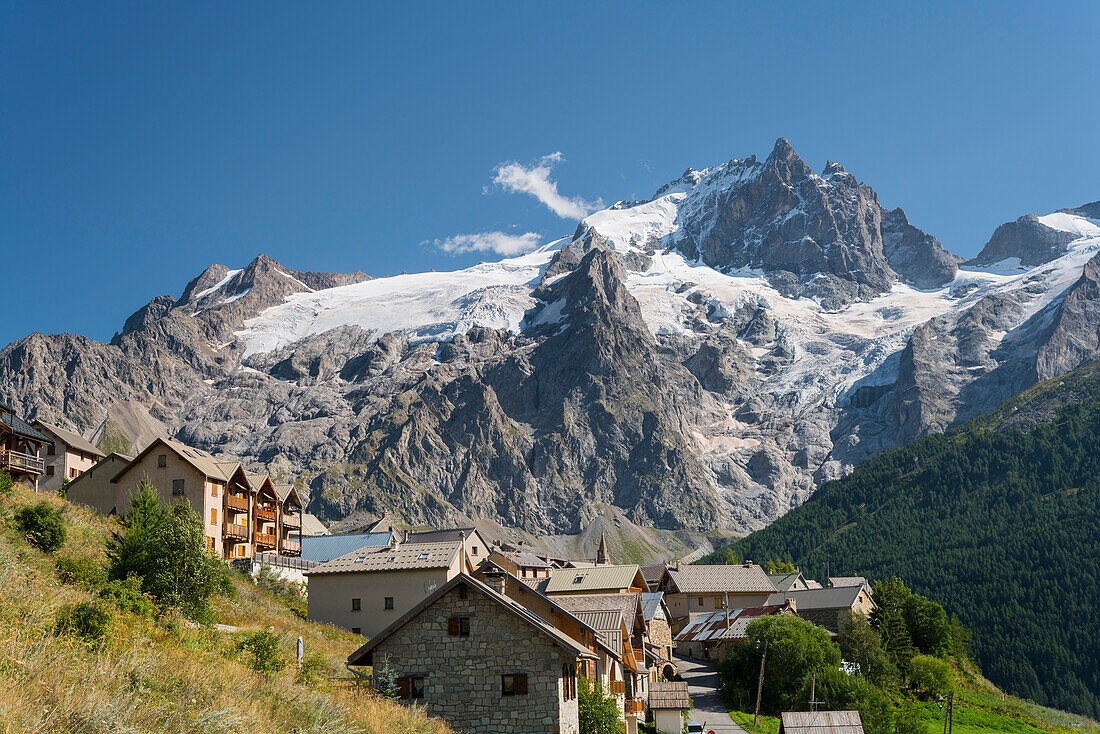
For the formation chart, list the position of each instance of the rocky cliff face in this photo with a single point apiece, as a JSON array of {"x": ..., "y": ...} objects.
[{"x": 700, "y": 360}]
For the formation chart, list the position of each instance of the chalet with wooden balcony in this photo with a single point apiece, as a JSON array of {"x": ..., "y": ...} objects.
[
  {"x": 21, "y": 447},
  {"x": 243, "y": 513}
]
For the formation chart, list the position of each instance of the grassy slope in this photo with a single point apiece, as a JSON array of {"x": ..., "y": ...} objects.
[{"x": 167, "y": 676}]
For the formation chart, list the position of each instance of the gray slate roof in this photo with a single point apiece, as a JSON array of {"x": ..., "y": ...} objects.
[
  {"x": 323, "y": 548},
  {"x": 651, "y": 602},
  {"x": 669, "y": 695},
  {"x": 405, "y": 557},
  {"x": 652, "y": 573},
  {"x": 838, "y": 597},
  {"x": 743, "y": 579},
  {"x": 848, "y": 581},
  {"x": 820, "y": 722},
  {"x": 75, "y": 440},
  {"x": 15, "y": 424},
  {"x": 784, "y": 581}
]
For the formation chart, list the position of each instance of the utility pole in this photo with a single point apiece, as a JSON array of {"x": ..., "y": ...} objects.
[
  {"x": 949, "y": 718},
  {"x": 760, "y": 685}
]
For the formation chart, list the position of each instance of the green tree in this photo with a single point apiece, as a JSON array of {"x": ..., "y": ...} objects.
[
  {"x": 931, "y": 676},
  {"x": 888, "y": 619},
  {"x": 928, "y": 626},
  {"x": 597, "y": 710},
  {"x": 165, "y": 547},
  {"x": 63, "y": 493},
  {"x": 385, "y": 680},
  {"x": 861, "y": 644},
  {"x": 853, "y": 692},
  {"x": 777, "y": 566},
  {"x": 43, "y": 525},
  {"x": 795, "y": 649}
]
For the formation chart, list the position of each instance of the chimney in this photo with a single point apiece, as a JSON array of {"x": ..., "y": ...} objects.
[
  {"x": 394, "y": 542},
  {"x": 406, "y": 536},
  {"x": 748, "y": 564},
  {"x": 494, "y": 579},
  {"x": 677, "y": 565}
]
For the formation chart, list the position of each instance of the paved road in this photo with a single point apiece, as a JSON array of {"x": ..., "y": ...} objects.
[{"x": 703, "y": 685}]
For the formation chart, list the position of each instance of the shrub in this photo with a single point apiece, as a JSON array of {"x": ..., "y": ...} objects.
[
  {"x": 263, "y": 650},
  {"x": 314, "y": 669},
  {"x": 165, "y": 547},
  {"x": 855, "y": 692},
  {"x": 5, "y": 484},
  {"x": 89, "y": 620},
  {"x": 126, "y": 595},
  {"x": 909, "y": 721},
  {"x": 931, "y": 676},
  {"x": 43, "y": 526},
  {"x": 597, "y": 711},
  {"x": 80, "y": 571}
]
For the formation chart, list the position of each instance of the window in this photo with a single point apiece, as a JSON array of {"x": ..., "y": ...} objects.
[
  {"x": 356, "y": 605},
  {"x": 49, "y": 471},
  {"x": 50, "y": 450},
  {"x": 162, "y": 461},
  {"x": 578, "y": 579},
  {"x": 700, "y": 601},
  {"x": 462, "y": 591},
  {"x": 717, "y": 602},
  {"x": 209, "y": 543},
  {"x": 213, "y": 516},
  {"x": 72, "y": 473},
  {"x": 213, "y": 489},
  {"x": 473, "y": 551},
  {"x": 422, "y": 557},
  {"x": 410, "y": 687},
  {"x": 568, "y": 681},
  {"x": 388, "y": 603},
  {"x": 355, "y": 631},
  {"x": 458, "y": 626},
  {"x": 513, "y": 684},
  {"x": 177, "y": 486}
]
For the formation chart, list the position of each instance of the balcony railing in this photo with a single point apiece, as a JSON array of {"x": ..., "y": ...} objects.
[
  {"x": 292, "y": 546},
  {"x": 634, "y": 707},
  {"x": 265, "y": 513},
  {"x": 292, "y": 521},
  {"x": 234, "y": 502},
  {"x": 265, "y": 539},
  {"x": 236, "y": 531},
  {"x": 19, "y": 461}
]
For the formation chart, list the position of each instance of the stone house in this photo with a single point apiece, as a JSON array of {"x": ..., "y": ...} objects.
[
  {"x": 706, "y": 636},
  {"x": 21, "y": 446},
  {"x": 693, "y": 590},
  {"x": 68, "y": 455},
  {"x": 481, "y": 662},
  {"x": 659, "y": 643},
  {"x": 830, "y": 606},
  {"x": 368, "y": 589}
]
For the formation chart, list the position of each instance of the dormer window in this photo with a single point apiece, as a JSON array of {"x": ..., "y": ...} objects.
[
  {"x": 422, "y": 557},
  {"x": 578, "y": 579}
]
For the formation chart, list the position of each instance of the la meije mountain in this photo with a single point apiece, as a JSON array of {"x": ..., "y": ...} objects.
[{"x": 700, "y": 360}]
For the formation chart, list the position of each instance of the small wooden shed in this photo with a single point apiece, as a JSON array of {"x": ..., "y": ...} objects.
[
  {"x": 668, "y": 701},
  {"x": 820, "y": 722}
]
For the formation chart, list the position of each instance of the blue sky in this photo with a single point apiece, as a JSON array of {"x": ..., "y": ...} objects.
[{"x": 140, "y": 142}]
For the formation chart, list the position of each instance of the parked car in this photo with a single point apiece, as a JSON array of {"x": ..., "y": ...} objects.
[{"x": 694, "y": 727}]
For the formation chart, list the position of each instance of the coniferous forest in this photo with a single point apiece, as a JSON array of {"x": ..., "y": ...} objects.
[{"x": 998, "y": 520}]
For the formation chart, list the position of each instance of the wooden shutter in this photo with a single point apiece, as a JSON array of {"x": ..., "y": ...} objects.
[
  {"x": 452, "y": 626},
  {"x": 403, "y": 689},
  {"x": 521, "y": 684}
]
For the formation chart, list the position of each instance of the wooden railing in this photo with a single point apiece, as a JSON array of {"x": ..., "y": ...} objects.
[
  {"x": 618, "y": 688},
  {"x": 292, "y": 546},
  {"x": 21, "y": 462},
  {"x": 236, "y": 531},
  {"x": 634, "y": 706},
  {"x": 265, "y": 539},
  {"x": 265, "y": 513},
  {"x": 292, "y": 521},
  {"x": 234, "y": 502}
]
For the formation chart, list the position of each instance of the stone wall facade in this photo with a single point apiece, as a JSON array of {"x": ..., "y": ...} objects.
[{"x": 462, "y": 675}]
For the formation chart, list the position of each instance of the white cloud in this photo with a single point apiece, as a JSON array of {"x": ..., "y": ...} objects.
[
  {"x": 535, "y": 180},
  {"x": 498, "y": 242}
]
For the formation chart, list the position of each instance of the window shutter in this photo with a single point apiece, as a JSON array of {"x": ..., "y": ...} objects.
[
  {"x": 452, "y": 626},
  {"x": 403, "y": 688},
  {"x": 521, "y": 684}
]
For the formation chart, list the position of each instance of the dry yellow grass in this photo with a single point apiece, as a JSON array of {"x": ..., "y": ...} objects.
[{"x": 162, "y": 676}]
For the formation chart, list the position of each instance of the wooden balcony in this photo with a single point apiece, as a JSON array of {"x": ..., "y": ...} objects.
[
  {"x": 265, "y": 540},
  {"x": 19, "y": 462},
  {"x": 265, "y": 513},
  {"x": 292, "y": 547},
  {"x": 240, "y": 532},
  {"x": 634, "y": 707},
  {"x": 234, "y": 502},
  {"x": 292, "y": 521}
]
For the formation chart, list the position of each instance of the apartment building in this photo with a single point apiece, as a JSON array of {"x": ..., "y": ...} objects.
[{"x": 67, "y": 456}]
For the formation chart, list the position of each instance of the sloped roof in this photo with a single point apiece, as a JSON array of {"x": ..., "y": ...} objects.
[
  {"x": 312, "y": 526},
  {"x": 830, "y": 597},
  {"x": 526, "y": 559},
  {"x": 405, "y": 557},
  {"x": 820, "y": 722},
  {"x": 740, "y": 579},
  {"x": 626, "y": 605},
  {"x": 447, "y": 535},
  {"x": 597, "y": 578},
  {"x": 712, "y": 627},
  {"x": 206, "y": 463},
  {"x": 75, "y": 440},
  {"x": 651, "y": 602},
  {"x": 848, "y": 581},
  {"x": 323, "y": 548},
  {"x": 17, "y": 425},
  {"x": 784, "y": 581},
  {"x": 361, "y": 656},
  {"x": 652, "y": 573},
  {"x": 668, "y": 695},
  {"x": 282, "y": 491}
]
